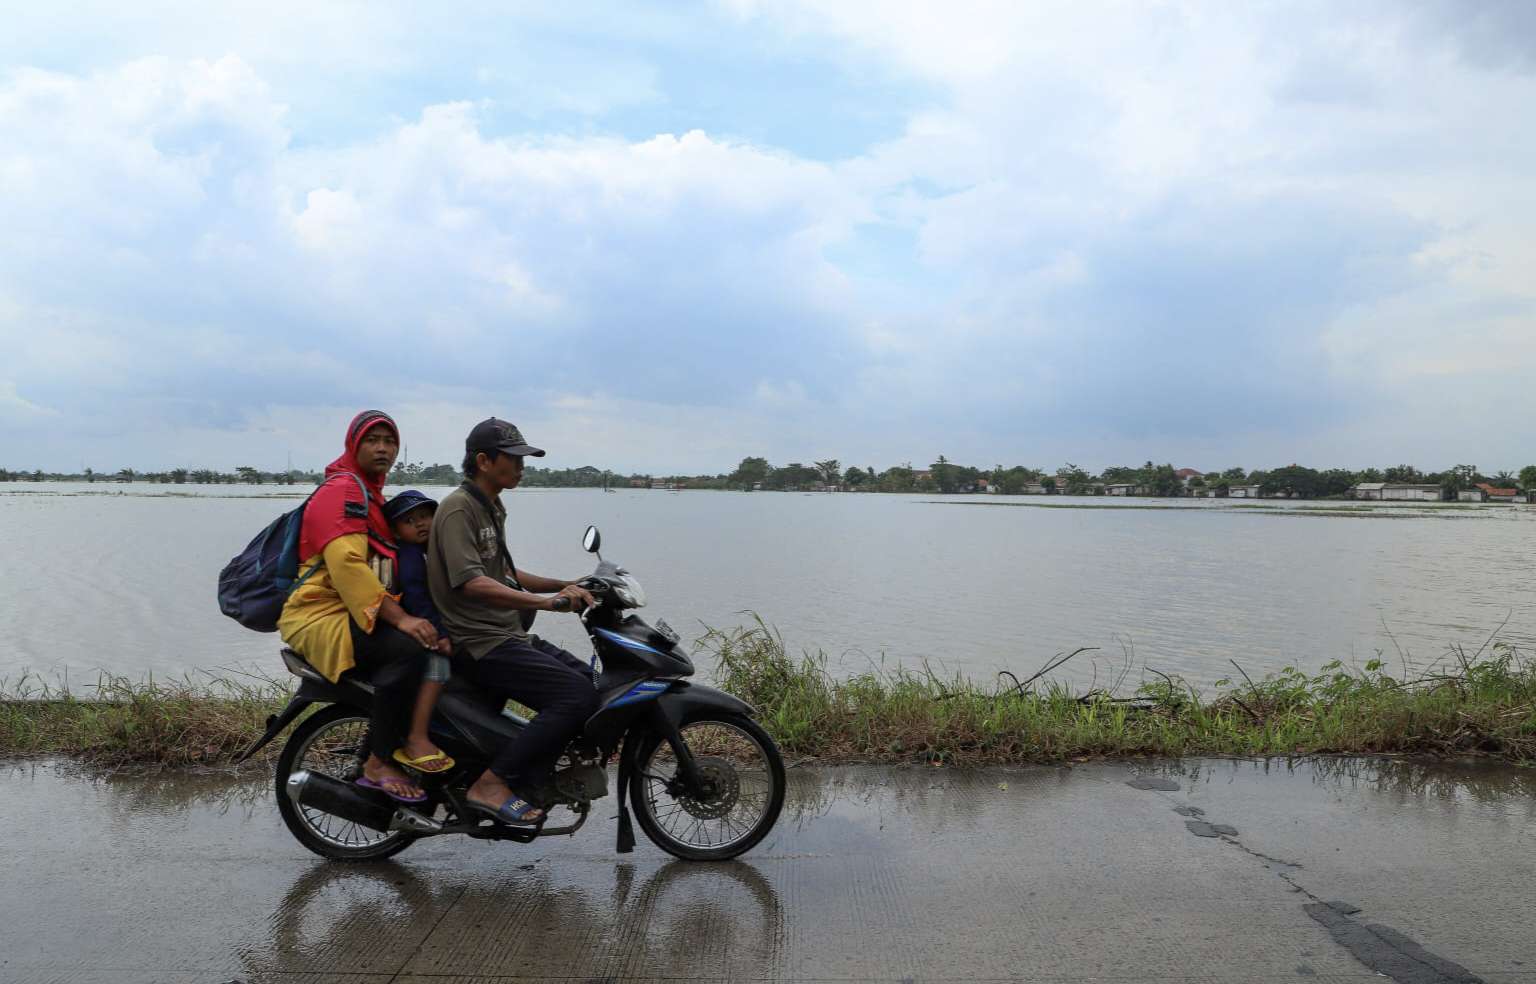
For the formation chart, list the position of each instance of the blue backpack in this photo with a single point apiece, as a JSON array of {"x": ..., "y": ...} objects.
[{"x": 254, "y": 585}]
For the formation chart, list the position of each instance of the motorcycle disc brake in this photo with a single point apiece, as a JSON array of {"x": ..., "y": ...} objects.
[{"x": 727, "y": 790}]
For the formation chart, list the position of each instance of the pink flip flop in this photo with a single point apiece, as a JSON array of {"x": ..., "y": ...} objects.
[{"x": 367, "y": 783}]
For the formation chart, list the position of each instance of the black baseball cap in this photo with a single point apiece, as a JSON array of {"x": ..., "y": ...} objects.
[
  {"x": 405, "y": 502},
  {"x": 492, "y": 434}
]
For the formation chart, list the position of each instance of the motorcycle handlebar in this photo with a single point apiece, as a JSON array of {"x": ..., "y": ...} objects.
[{"x": 593, "y": 586}]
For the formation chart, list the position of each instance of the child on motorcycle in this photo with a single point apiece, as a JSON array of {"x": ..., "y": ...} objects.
[{"x": 410, "y": 517}]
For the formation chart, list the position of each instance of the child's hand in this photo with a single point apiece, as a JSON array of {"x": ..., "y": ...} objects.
[
  {"x": 419, "y": 629},
  {"x": 444, "y": 646}
]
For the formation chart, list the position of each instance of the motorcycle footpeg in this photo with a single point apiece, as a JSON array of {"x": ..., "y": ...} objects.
[{"x": 414, "y": 822}]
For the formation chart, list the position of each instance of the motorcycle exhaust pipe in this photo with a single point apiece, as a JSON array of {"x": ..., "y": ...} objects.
[{"x": 342, "y": 799}]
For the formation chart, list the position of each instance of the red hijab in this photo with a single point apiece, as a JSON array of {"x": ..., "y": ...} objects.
[{"x": 335, "y": 510}]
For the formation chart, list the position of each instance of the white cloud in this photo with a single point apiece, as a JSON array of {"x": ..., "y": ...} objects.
[
  {"x": 433, "y": 258},
  {"x": 14, "y": 406},
  {"x": 330, "y": 220},
  {"x": 1094, "y": 212}
]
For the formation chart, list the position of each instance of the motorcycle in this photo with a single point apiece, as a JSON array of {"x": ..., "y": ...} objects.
[{"x": 705, "y": 781}]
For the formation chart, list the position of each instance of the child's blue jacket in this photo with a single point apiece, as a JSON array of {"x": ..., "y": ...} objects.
[{"x": 411, "y": 565}]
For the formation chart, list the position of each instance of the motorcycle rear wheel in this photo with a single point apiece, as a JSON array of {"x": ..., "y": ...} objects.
[
  {"x": 740, "y": 758},
  {"x": 332, "y": 743}
]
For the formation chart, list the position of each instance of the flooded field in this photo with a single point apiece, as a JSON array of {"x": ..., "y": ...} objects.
[{"x": 121, "y": 577}]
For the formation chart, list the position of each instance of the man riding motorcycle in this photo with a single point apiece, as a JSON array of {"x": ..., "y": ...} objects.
[{"x": 487, "y": 604}]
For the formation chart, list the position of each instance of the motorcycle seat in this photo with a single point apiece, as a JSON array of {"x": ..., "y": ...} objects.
[{"x": 299, "y": 666}]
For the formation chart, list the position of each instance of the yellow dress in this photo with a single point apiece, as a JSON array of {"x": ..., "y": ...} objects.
[{"x": 348, "y": 587}]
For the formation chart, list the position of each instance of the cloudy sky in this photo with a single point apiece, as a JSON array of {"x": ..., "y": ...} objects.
[{"x": 663, "y": 237}]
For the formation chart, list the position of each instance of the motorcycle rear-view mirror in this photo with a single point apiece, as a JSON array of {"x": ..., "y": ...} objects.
[{"x": 592, "y": 540}]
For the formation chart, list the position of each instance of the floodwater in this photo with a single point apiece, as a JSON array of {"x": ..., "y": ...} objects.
[
  {"x": 1328, "y": 869},
  {"x": 122, "y": 577}
]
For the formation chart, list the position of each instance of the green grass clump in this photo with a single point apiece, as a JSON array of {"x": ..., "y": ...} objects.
[
  {"x": 117, "y": 722},
  {"x": 1486, "y": 705},
  {"x": 1483, "y": 704}
]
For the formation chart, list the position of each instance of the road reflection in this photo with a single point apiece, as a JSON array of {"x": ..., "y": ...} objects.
[{"x": 562, "y": 917}]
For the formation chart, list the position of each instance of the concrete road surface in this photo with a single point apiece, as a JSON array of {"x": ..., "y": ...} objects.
[{"x": 1338, "y": 870}]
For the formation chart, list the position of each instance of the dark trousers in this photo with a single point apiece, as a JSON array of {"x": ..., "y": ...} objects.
[
  {"x": 546, "y": 678},
  {"x": 393, "y": 662}
]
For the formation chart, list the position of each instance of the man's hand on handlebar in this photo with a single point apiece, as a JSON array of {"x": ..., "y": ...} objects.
[{"x": 572, "y": 597}]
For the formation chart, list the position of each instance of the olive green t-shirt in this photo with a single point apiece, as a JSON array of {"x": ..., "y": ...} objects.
[{"x": 463, "y": 546}]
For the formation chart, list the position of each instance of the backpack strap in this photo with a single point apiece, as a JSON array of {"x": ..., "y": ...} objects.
[
  {"x": 501, "y": 536},
  {"x": 526, "y": 615},
  {"x": 321, "y": 562}
]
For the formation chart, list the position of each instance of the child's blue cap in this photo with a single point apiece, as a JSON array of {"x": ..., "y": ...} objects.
[{"x": 404, "y": 502}]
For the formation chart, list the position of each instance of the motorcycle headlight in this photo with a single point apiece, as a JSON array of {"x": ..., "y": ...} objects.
[{"x": 629, "y": 592}]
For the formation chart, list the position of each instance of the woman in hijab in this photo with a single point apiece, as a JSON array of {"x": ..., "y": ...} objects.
[{"x": 343, "y": 615}]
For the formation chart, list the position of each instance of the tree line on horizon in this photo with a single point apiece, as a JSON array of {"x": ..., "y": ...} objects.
[
  {"x": 244, "y": 475},
  {"x": 942, "y": 476}
]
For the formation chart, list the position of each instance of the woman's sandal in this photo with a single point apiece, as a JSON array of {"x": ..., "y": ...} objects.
[
  {"x": 514, "y": 811},
  {"x": 430, "y": 764},
  {"x": 388, "y": 785}
]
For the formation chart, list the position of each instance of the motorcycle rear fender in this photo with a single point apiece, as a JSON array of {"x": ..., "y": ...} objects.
[{"x": 277, "y": 722}]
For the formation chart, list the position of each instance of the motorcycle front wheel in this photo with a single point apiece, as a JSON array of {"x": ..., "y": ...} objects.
[
  {"x": 333, "y": 742},
  {"x": 743, "y": 777}
]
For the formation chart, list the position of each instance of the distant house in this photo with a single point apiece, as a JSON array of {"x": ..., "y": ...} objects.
[
  {"x": 1472, "y": 495},
  {"x": 1243, "y": 492},
  {"x": 1413, "y": 493},
  {"x": 1530, "y": 496},
  {"x": 1121, "y": 488},
  {"x": 982, "y": 485},
  {"x": 995, "y": 489},
  {"x": 1034, "y": 488},
  {"x": 1187, "y": 475},
  {"x": 1498, "y": 495},
  {"x": 1398, "y": 492},
  {"x": 639, "y": 483}
]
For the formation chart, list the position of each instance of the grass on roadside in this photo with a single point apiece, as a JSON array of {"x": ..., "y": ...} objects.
[
  {"x": 1484, "y": 703},
  {"x": 116, "y": 721}
]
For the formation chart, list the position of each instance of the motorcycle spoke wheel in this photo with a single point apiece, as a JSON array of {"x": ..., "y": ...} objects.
[
  {"x": 745, "y": 784},
  {"x": 336, "y": 748}
]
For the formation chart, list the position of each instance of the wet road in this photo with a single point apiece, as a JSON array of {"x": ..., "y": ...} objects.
[{"x": 1209, "y": 871}]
